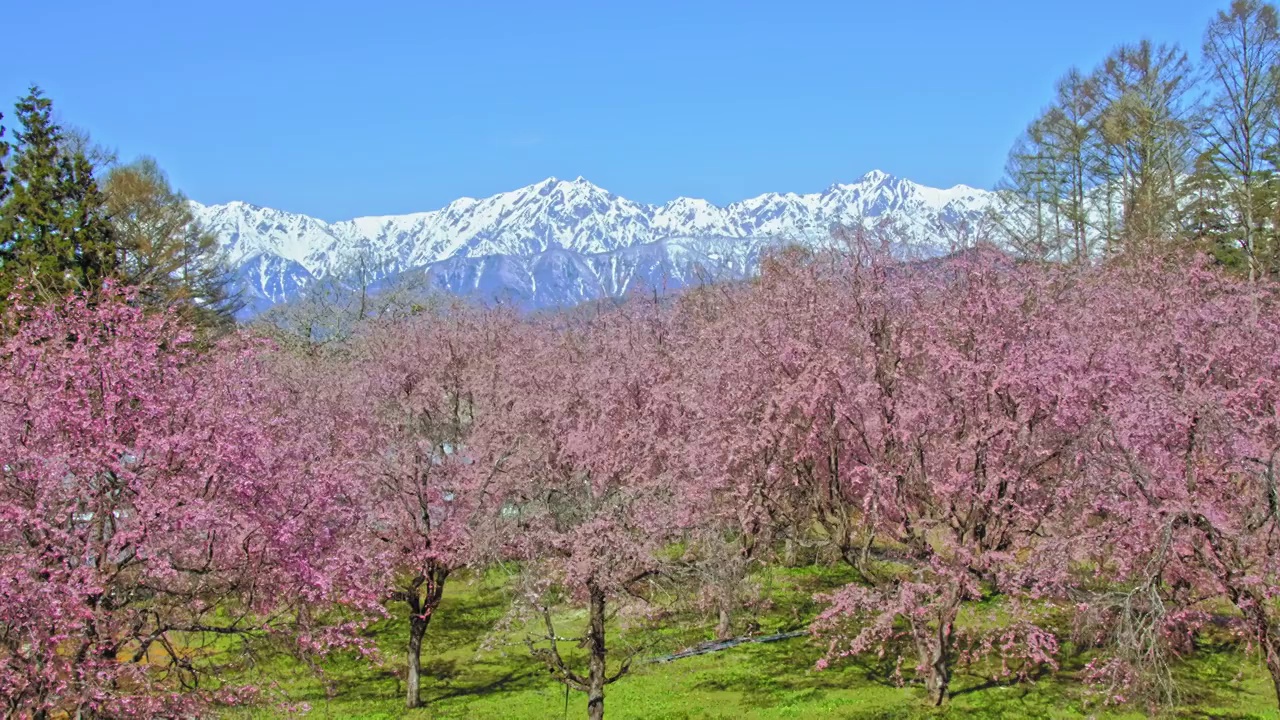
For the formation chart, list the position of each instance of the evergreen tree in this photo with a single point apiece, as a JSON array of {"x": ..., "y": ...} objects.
[
  {"x": 4, "y": 154},
  {"x": 1210, "y": 223},
  {"x": 54, "y": 234}
]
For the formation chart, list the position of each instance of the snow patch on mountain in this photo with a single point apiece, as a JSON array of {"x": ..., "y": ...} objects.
[{"x": 563, "y": 241}]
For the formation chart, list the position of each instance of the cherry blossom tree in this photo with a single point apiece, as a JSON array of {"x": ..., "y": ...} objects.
[
  {"x": 749, "y": 346},
  {"x": 416, "y": 390},
  {"x": 152, "y": 500},
  {"x": 980, "y": 426},
  {"x": 719, "y": 568},
  {"x": 915, "y": 413},
  {"x": 586, "y": 441},
  {"x": 954, "y": 430},
  {"x": 956, "y": 438},
  {"x": 1183, "y": 477}
]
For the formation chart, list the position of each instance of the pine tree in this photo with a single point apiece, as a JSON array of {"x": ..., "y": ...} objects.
[
  {"x": 4, "y": 154},
  {"x": 54, "y": 234},
  {"x": 1210, "y": 222}
]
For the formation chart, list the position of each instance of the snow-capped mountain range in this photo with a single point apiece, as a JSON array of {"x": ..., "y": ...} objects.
[{"x": 559, "y": 242}]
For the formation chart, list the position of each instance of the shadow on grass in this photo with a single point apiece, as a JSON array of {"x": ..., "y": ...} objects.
[
  {"x": 983, "y": 683},
  {"x": 777, "y": 679},
  {"x": 1211, "y": 677},
  {"x": 512, "y": 680},
  {"x": 752, "y": 672}
]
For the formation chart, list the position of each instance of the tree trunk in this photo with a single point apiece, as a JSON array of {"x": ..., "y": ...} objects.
[
  {"x": 595, "y": 690},
  {"x": 939, "y": 679},
  {"x": 1257, "y": 614},
  {"x": 1248, "y": 231},
  {"x": 724, "y": 626},
  {"x": 417, "y": 629},
  {"x": 421, "y": 608},
  {"x": 933, "y": 646},
  {"x": 1273, "y": 666}
]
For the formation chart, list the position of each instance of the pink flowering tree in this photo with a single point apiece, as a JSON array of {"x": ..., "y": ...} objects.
[
  {"x": 745, "y": 347},
  {"x": 955, "y": 435},
  {"x": 415, "y": 390},
  {"x": 1183, "y": 476},
  {"x": 916, "y": 415},
  {"x": 152, "y": 501},
  {"x": 585, "y": 440}
]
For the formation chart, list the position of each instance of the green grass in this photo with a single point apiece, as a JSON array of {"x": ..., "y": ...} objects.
[{"x": 774, "y": 680}]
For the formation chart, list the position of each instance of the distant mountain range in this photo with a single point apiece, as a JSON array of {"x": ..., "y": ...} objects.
[{"x": 561, "y": 242}]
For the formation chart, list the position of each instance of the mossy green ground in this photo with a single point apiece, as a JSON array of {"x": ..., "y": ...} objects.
[{"x": 775, "y": 680}]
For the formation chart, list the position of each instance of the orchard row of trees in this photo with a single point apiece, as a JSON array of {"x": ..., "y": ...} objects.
[
  {"x": 1016, "y": 459},
  {"x": 1153, "y": 148},
  {"x": 970, "y": 429},
  {"x": 71, "y": 217}
]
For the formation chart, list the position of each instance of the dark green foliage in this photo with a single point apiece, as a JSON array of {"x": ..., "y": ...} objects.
[
  {"x": 1209, "y": 221},
  {"x": 61, "y": 231},
  {"x": 54, "y": 233},
  {"x": 4, "y": 176}
]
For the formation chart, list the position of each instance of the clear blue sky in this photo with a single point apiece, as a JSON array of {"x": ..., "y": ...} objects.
[{"x": 376, "y": 107}]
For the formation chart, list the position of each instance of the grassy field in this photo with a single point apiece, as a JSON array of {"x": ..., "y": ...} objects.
[{"x": 774, "y": 680}]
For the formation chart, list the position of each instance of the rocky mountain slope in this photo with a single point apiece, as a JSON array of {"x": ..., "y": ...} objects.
[{"x": 560, "y": 242}]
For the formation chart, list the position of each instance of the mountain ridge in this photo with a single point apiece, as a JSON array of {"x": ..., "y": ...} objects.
[{"x": 277, "y": 254}]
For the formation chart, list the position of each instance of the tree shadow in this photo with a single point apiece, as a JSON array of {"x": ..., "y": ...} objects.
[
  {"x": 981, "y": 683},
  {"x": 511, "y": 680},
  {"x": 751, "y": 672}
]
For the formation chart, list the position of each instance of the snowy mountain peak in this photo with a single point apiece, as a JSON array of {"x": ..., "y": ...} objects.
[
  {"x": 875, "y": 177},
  {"x": 279, "y": 252},
  {"x": 557, "y": 183}
]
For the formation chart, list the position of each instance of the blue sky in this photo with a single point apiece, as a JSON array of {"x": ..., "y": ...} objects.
[{"x": 378, "y": 107}]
